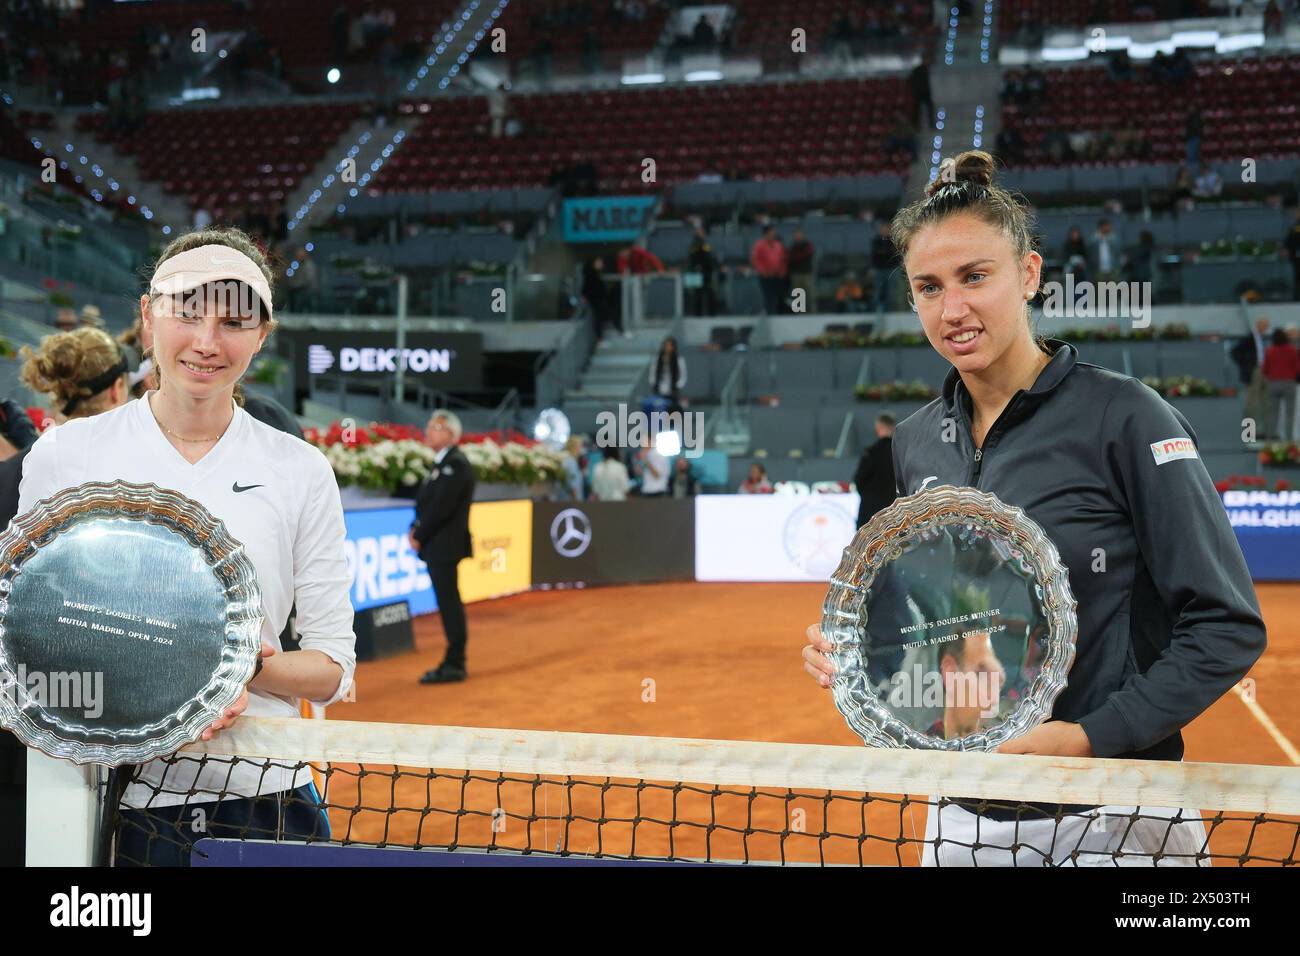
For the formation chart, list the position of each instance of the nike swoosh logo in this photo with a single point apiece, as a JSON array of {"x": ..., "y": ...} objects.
[{"x": 237, "y": 489}]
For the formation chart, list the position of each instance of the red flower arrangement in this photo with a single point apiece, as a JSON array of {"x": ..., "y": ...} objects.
[
  {"x": 1280, "y": 454},
  {"x": 1251, "y": 483}
]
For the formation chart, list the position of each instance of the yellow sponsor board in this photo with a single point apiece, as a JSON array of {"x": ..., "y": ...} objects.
[{"x": 503, "y": 550}]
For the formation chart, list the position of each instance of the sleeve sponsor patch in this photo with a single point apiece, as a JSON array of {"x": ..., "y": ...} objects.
[{"x": 1171, "y": 449}]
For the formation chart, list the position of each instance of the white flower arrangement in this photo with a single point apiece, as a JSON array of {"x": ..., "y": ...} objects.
[{"x": 386, "y": 457}]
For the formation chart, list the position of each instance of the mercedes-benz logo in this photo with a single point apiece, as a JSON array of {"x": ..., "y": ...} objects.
[{"x": 570, "y": 533}]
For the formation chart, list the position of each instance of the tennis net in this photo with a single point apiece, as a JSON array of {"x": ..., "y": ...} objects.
[{"x": 573, "y": 795}]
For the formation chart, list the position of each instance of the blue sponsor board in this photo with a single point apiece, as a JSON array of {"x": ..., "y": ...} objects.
[
  {"x": 262, "y": 853},
  {"x": 606, "y": 218},
  {"x": 384, "y": 569},
  {"x": 1267, "y": 524}
]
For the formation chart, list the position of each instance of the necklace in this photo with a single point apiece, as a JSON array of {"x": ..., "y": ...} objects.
[
  {"x": 188, "y": 441},
  {"x": 192, "y": 441}
]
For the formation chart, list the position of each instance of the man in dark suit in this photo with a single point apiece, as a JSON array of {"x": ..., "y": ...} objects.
[
  {"x": 440, "y": 535},
  {"x": 875, "y": 475},
  {"x": 1248, "y": 354}
]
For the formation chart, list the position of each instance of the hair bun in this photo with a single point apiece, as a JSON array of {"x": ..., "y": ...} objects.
[{"x": 973, "y": 166}]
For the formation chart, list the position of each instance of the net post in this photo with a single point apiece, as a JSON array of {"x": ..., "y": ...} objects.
[{"x": 62, "y": 811}]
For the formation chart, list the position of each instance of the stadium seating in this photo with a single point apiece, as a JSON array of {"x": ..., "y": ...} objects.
[
  {"x": 688, "y": 131},
  {"x": 302, "y": 30},
  {"x": 765, "y": 25},
  {"x": 226, "y": 159},
  {"x": 1248, "y": 108},
  {"x": 529, "y": 24},
  {"x": 1013, "y": 14}
]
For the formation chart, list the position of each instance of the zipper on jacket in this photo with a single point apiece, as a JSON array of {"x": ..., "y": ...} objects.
[{"x": 977, "y": 462}]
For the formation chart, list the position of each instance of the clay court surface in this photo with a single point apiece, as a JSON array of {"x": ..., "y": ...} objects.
[{"x": 724, "y": 661}]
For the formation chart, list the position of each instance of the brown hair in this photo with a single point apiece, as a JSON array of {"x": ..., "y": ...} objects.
[
  {"x": 965, "y": 185},
  {"x": 232, "y": 238},
  {"x": 63, "y": 362}
]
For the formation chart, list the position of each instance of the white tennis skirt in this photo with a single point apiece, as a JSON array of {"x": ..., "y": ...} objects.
[{"x": 1104, "y": 836}]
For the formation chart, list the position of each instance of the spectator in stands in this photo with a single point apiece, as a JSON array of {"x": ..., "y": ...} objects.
[
  {"x": 300, "y": 283},
  {"x": 340, "y": 29},
  {"x": 1208, "y": 185},
  {"x": 1057, "y": 146},
  {"x": 498, "y": 110},
  {"x": 1293, "y": 336},
  {"x": 610, "y": 480},
  {"x": 1249, "y": 353},
  {"x": 1035, "y": 87},
  {"x": 884, "y": 260},
  {"x": 541, "y": 55},
  {"x": 902, "y": 138},
  {"x": 1192, "y": 133},
  {"x": 701, "y": 260},
  {"x": 1013, "y": 88},
  {"x": 874, "y": 477},
  {"x": 1119, "y": 66},
  {"x": 1011, "y": 146},
  {"x": 595, "y": 293},
  {"x": 841, "y": 36},
  {"x": 91, "y": 317},
  {"x": 1273, "y": 22},
  {"x": 670, "y": 374},
  {"x": 919, "y": 81},
  {"x": 768, "y": 257},
  {"x": 65, "y": 320},
  {"x": 1282, "y": 371},
  {"x": 1183, "y": 186},
  {"x": 703, "y": 37},
  {"x": 1106, "y": 250},
  {"x": 1140, "y": 266},
  {"x": 638, "y": 260},
  {"x": 1291, "y": 250},
  {"x": 756, "y": 483},
  {"x": 850, "y": 296},
  {"x": 801, "y": 269},
  {"x": 683, "y": 478},
  {"x": 652, "y": 469},
  {"x": 1074, "y": 255},
  {"x": 573, "y": 468}
]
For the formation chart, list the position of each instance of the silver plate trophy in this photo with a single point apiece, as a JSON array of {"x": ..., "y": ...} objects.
[
  {"x": 953, "y": 623},
  {"x": 129, "y": 621}
]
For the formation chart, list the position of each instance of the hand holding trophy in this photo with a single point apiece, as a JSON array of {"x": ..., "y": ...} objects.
[{"x": 949, "y": 624}]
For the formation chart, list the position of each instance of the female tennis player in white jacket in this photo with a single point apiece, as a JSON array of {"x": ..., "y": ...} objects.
[{"x": 275, "y": 493}]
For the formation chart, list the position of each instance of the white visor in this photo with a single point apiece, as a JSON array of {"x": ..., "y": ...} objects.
[{"x": 212, "y": 264}]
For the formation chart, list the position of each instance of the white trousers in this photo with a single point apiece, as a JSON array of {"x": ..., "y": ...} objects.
[{"x": 1092, "y": 838}]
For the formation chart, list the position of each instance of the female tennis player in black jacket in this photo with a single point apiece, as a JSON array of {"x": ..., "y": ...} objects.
[{"x": 1168, "y": 618}]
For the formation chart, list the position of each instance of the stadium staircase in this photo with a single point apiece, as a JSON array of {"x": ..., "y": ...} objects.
[
  {"x": 167, "y": 209},
  {"x": 967, "y": 92},
  {"x": 377, "y": 138}
]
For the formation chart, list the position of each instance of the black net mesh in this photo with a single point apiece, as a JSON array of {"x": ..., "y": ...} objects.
[{"x": 154, "y": 821}]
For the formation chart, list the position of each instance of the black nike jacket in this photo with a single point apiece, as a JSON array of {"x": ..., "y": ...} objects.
[{"x": 1169, "y": 620}]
